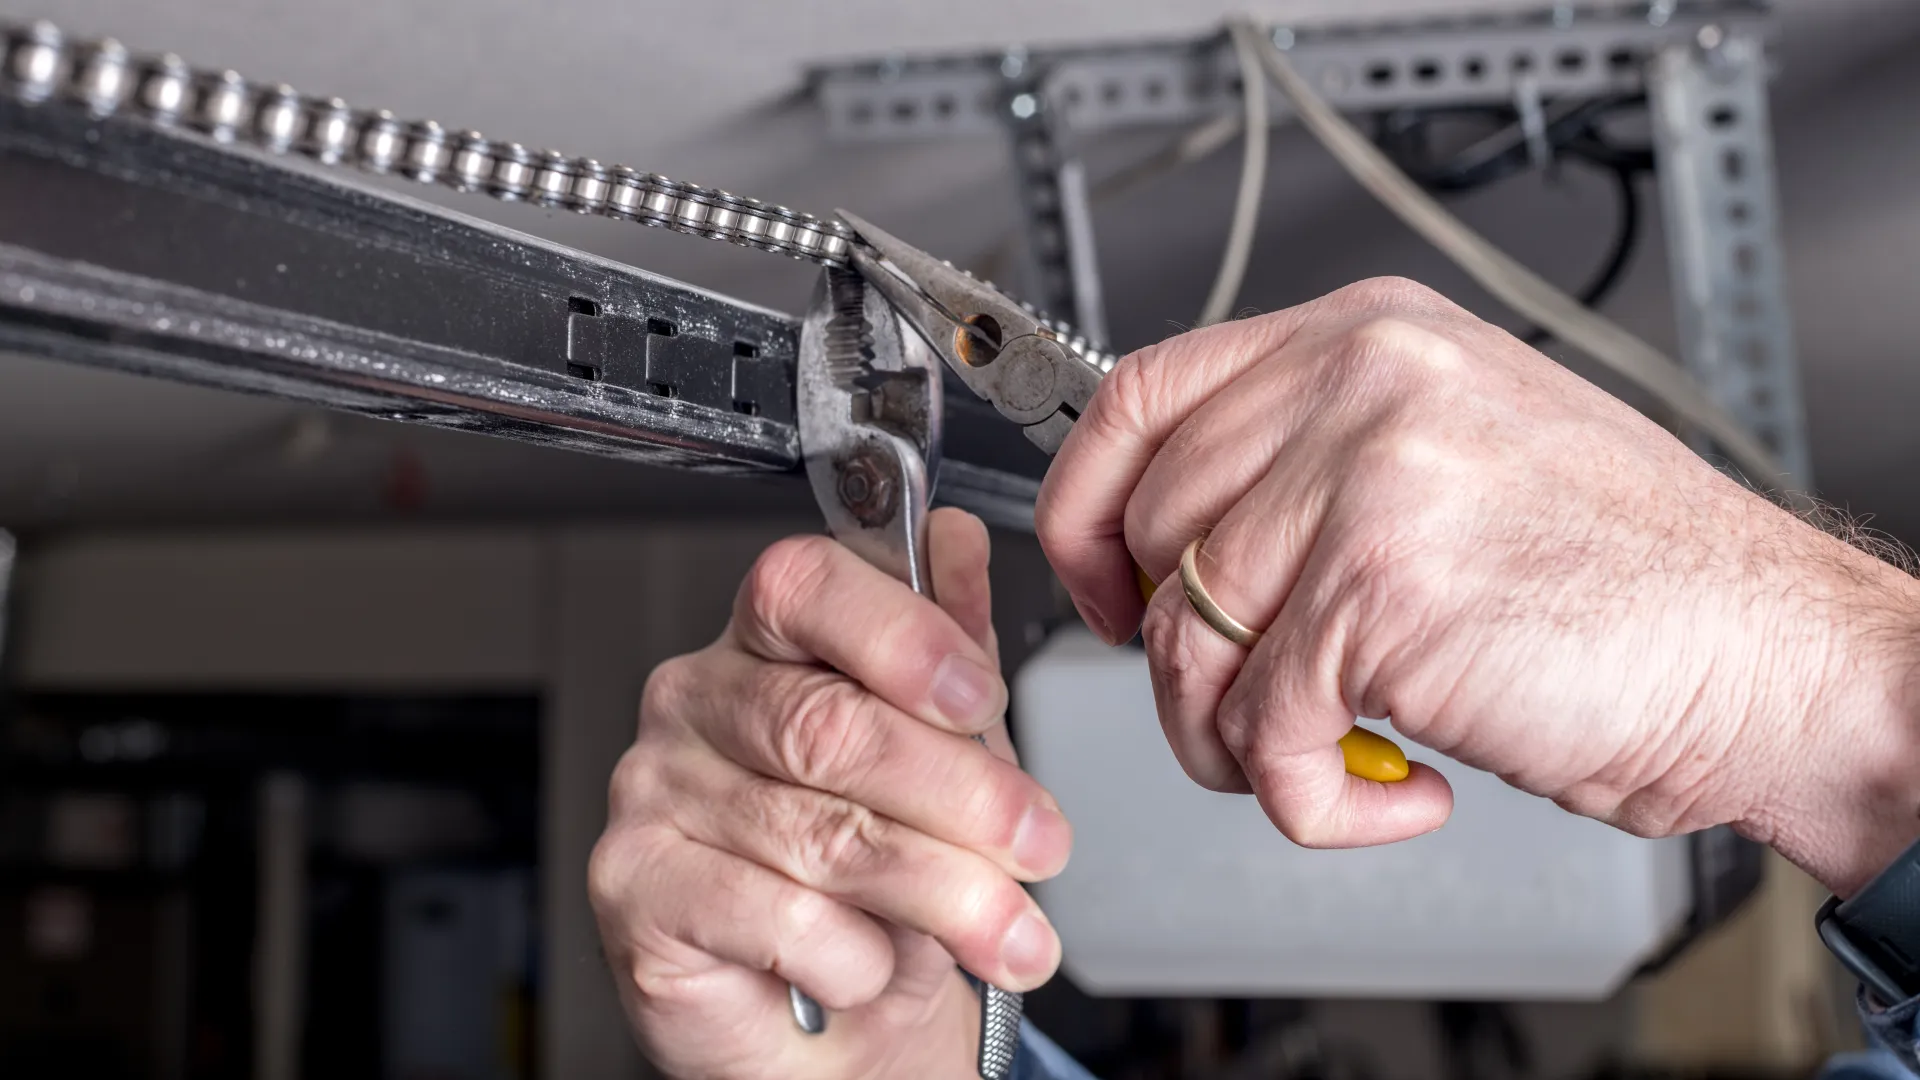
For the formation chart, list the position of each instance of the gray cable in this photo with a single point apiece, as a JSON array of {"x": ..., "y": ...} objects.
[
  {"x": 1253, "y": 177},
  {"x": 1515, "y": 285}
]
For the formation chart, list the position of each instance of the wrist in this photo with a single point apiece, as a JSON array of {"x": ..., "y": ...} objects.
[{"x": 1844, "y": 793}]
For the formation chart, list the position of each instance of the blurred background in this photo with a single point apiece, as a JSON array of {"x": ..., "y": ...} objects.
[{"x": 308, "y": 718}]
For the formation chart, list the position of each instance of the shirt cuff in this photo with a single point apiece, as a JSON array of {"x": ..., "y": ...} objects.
[
  {"x": 1038, "y": 1058},
  {"x": 1893, "y": 1028}
]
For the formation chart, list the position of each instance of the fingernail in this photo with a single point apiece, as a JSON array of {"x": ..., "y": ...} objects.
[
  {"x": 1042, "y": 841},
  {"x": 967, "y": 694},
  {"x": 1094, "y": 620},
  {"x": 1027, "y": 950}
]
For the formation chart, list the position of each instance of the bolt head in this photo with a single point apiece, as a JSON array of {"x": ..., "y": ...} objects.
[{"x": 866, "y": 487}]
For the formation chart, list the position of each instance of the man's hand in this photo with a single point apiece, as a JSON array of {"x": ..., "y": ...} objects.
[
  {"x": 1435, "y": 523},
  {"x": 804, "y": 803}
]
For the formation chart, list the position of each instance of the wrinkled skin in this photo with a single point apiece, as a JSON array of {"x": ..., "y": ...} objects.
[
  {"x": 804, "y": 802},
  {"x": 1431, "y": 522},
  {"x": 1435, "y": 523}
]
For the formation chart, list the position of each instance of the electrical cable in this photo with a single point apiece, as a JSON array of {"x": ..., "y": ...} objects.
[
  {"x": 1569, "y": 128},
  {"x": 1253, "y": 179},
  {"x": 1515, "y": 285},
  {"x": 1197, "y": 143},
  {"x": 1626, "y": 237},
  {"x": 1571, "y": 132}
]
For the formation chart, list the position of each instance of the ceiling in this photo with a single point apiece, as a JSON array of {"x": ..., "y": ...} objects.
[{"x": 705, "y": 92}]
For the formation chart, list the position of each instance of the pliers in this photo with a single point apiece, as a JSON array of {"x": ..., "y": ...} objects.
[
  {"x": 870, "y": 418},
  {"x": 1004, "y": 352}
]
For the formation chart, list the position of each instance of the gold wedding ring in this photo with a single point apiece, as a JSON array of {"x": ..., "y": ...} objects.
[{"x": 1203, "y": 604}]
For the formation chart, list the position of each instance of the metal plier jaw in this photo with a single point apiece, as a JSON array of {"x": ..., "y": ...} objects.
[
  {"x": 999, "y": 349},
  {"x": 869, "y": 406},
  {"x": 870, "y": 417}
]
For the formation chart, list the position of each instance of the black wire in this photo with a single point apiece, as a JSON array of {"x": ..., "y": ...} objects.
[
  {"x": 1574, "y": 134},
  {"x": 1506, "y": 153},
  {"x": 1626, "y": 237}
]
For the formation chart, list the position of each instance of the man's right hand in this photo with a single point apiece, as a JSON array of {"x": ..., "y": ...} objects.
[
  {"x": 804, "y": 803},
  {"x": 1431, "y": 522}
]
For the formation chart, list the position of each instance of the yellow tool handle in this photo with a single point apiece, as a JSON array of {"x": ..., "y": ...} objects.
[{"x": 1368, "y": 756}]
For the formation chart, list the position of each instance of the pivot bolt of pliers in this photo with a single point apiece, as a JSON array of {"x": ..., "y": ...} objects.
[{"x": 866, "y": 487}]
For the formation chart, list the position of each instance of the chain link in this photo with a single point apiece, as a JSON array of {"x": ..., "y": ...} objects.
[
  {"x": 38, "y": 64},
  {"x": 42, "y": 65}
]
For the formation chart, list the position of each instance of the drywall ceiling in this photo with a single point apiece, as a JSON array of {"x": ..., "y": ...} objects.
[{"x": 706, "y": 92}]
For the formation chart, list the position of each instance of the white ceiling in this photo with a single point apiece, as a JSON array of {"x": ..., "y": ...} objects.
[{"x": 703, "y": 91}]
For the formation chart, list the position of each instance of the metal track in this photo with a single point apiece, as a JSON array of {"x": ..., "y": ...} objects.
[
  {"x": 158, "y": 252},
  {"x": 39, "y": 65}
]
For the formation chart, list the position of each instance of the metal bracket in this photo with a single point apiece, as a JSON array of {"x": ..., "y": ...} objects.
[
  {"x": 1053, "y": 190},
  {"x": 1569, "y": 51},
  {"x": 1716, "y": 169}
]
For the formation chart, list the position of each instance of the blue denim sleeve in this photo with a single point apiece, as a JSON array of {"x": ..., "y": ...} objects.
[
  {"x": 1894, "y": 1035},
  {"x": 1039, "y": 1059}
]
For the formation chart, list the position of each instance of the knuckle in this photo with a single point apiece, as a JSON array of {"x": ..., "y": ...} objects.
[
  {"x": 607, "y": 871},
  {"x": 841, "y": 842},
  {"x": 1135, "y": 390},
  {"x": 664, "y": 692},
  {"x": 614, "y": 879},
  {"x": 802, "y": 916},
  {"x": 1391, "y": 292},
  {"x": 1398, "y": 346},
  {"x": 1132, "y": 386},
  {"x": 1409, "y": 451},
  {"x": 981, "y": 906},
  {"x": 1173, "y": 646},
  {"x": 823, "y": 737},
  {"x": 628, "y": 784},
  {"x": 784, "y": 576},
  {"x": 990, "y": 812}
]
